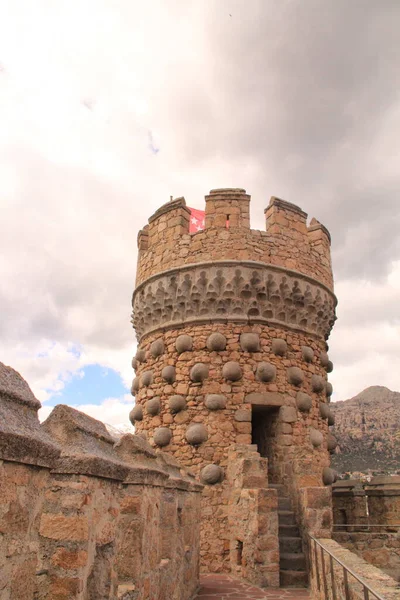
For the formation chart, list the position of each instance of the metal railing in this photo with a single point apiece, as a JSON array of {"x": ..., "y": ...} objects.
[{"x": 322, "y": 577}]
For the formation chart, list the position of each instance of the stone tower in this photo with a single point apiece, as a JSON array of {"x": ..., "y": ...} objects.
[{"x": 232, "y": 326}]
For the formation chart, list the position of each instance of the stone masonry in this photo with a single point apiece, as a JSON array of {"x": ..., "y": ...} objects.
[{"x": 232, "y": 326}]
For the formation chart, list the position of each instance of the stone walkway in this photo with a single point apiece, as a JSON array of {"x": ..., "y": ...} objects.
[{"x": 223, "y": 587}]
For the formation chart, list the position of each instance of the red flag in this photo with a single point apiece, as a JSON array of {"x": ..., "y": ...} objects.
[{"x": 197, "y": 218}]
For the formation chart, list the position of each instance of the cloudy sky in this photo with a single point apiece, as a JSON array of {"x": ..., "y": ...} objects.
[{"x": 109, "y": 107}]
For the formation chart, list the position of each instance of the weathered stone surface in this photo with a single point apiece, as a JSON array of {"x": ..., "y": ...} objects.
[
  {"x": 184, "y": 343},
  {"x": 153, "y": 406},
  {"x": 196, "y": 434},
  {"x": 135, "y": 386},
  {"x": 157, "y": 348},
  {"x": 134, "y": 363},
  {"x": 288, "y": 414},
  {"x": 295, "y": 376},
  {"x": 331, "y": 418},
  {"x": 279, "y": 347},
  {"x": 243, "y": 415},
  {"x": 317, "y": 383},
  {"x": 316, "y": 437},
  {"x": 146, "y": 378},
  {"x": 215, "y": 401},
  {"x": 329, "y": 366},
  {"x": 216, "y": 342},
  {"x": 328, "y": 476},
  {"x": 303, "y": 401},
  {"x": 211, "y": 474},
  {"x": 324, "y": 410},
  {"x": 62, "y": 527},
  {"x": 169, "y": 374},
  {"x": 232, "y": 371},
  {"x": 324, "y": 359},
  {"x": 329, "y": 389},
  {"x": 250, "y": 342},
  {"x": 141, "y": 355},
  {"x": 265, "y": 399},
  {"x": 307, "y": 354},
  {"x": 199, "y": 372},
  {"x": 266, "y": 372},
  {"x": 136, "y": 414},
  {"x": 332, "y": 442},
  {"x": 162, "y": 436},
  {"x": 177, "y": 403}
]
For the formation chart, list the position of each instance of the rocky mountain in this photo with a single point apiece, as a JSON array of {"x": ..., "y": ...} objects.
[
  {"x": 367, "y": 428},
  {"x": 118, "y": 432}
]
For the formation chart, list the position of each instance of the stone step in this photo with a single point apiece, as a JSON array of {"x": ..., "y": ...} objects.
[
  {"x": 288, "y": 530},
  {"x": 290, "y": 544},
  {"x": 286, "y": 517},
  {"x": 278, "y": 487},
  {"x": 284, "y": 503},
  {"x": 293, "y": 578},
  {"x": 292, "y": 561}
]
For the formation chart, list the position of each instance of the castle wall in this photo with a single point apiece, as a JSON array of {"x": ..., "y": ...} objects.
[
  {"x": 232, "y": 325},
  {"x": 85, "y": 518}
]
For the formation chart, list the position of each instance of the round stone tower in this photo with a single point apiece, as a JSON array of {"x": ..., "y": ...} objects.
[{"x": 232, "y": 326}]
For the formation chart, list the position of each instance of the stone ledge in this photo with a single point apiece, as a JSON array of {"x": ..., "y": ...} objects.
[{"x": 168, "y": 206}]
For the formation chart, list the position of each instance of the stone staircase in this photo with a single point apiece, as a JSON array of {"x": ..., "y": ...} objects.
[{"x": 293, "y": 571}]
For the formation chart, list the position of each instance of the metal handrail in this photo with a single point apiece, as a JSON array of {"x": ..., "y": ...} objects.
[{"x": 367, "y": 590}]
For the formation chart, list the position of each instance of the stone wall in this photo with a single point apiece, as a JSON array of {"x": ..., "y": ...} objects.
[
  {"x": 83, "y": 517},
  {"x": 232, "y": 327}
]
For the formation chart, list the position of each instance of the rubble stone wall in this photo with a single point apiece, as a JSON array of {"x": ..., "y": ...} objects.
[{"x": 83, "y": 517}]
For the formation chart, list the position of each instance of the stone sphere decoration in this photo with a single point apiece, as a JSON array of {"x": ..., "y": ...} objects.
[
  {"x": 295, "y": 375},
  {"x": 176, "y": 404},
  {"x": 279, "y": 347},
  {"x": 135, "y": 386},
  {"x": 211, "y": 474},
  {"x": 184, "y": 343},
  {"x": 303, "y": 401},
  {"x": 157, "y": 348},
  {"x": 324, "y": 359},
  {"x": 168, "y": 374},
  {"x": 307, "y": 354},
  {"x": 147, "y": 378},
  {"x": 329, "y": 366},
  {"x": 140, "y": 355},
  {"x": 134, "y": 363},
  {"x": 153, "y": 406},
  {"x": 324, "y": 410},
  {"x": 316, "y": 437},
  {"x": 136, "y": 414},
  {"x": 216, "y": 342},
  {"x": 317, "y": 383},
  {"x": 162, "y": 436},
  {"x": 199, "y": 372},
  {"x": 328, "y": 476},
  {"x": 250, "y": 342},
  {"x": 329, "y": 389},
  {"x": 215, "y": 402},
  {"x": 331, "y": 419},
  {"x": 196, "y": 434},
  {"x": 231, "y": 371},
  {"x": 332, "y": 442},
  {"x": 266, "y": 372}
]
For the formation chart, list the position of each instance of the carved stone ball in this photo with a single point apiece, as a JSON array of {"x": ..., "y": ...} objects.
[
  {"x": 295, "y": 375},
  {"x": 136, "y": 414},
  {"x": 140, "y": 355},
  {"x": 324, "y": 359},
  {"x": 134, "y": 363},
  {"x": 329, "y": 389},
  {"x": 329, "y": 366},
  {"x": 168, "y": 374},
  {"x": 153, "y": 406},
  {"x": 279, "y": 347},
  {"x": 316, "y": 437},
  {"x": 317, "y": 383},
  {"x": 332, "y": 442},
  {"x": 232, "y": 371},
  {"x": 331, "y": 419},
  {"x": 157, "y": 348},
  {"x": 196, "y": 434},
  {"x": 135, "y": 386},
  {"x": 307, "y": 354},
  {"x": 303, "y": 401},
  {"x": 250, "y": 342},
  {"x": 215, "y": 402},
  {"x": 328, "y": 476},
  {"x": 266, "y": 372},
  {"x": 324, "y": 410},
  {"x": 211, "y": 474},
  {"x": 147, "y": 378},
  {"x": 184, "y": 343},
  {"x": 176, "y": 404},
  {"x": 216, "y": 342},
  {"x": 199, "y": 372},
  {"x": 162, "y": 436}
]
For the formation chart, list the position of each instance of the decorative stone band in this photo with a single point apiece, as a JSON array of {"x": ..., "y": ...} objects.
[{"x": 243, "y": 292}]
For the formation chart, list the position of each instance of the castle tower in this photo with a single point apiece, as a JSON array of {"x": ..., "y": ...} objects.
[{"x": 232, "y": 326}]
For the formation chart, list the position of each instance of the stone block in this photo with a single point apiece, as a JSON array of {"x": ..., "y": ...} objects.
[{"x": 288, "y": 414}]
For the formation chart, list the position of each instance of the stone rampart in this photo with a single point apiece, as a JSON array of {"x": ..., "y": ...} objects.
[{"x": 83, "y": 517}]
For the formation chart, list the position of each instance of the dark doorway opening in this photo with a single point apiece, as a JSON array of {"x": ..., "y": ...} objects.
[{"x": 264, "y": 422}]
